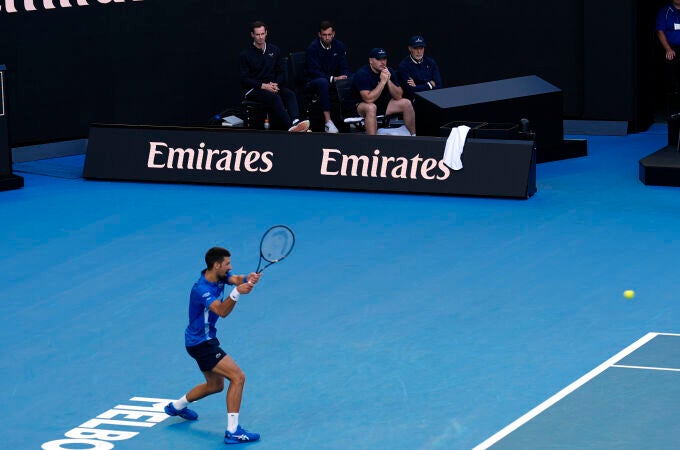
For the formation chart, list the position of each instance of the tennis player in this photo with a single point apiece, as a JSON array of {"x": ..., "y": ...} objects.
[{"x": 206, "y": 304}]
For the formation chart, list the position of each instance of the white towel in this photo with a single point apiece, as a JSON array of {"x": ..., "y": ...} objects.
[{"x": 454, "y": 147}]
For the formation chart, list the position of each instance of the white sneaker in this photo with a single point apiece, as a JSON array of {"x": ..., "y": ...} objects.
[
  {"x": 330, "y": 127},
  {"x": 299, "y": 127}
]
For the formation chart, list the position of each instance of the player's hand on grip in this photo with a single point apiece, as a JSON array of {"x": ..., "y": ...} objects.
[
  {"x": 253, "y": 277},
  {"x": 244, "y": 288}
]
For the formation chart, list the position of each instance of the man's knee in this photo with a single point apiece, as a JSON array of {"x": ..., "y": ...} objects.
[
  {"x": 404, "y": 105},
  {"x": 321, "y": 84},
  {"x": 238, "y": 377},
  {"x": 367, "y": 109}
]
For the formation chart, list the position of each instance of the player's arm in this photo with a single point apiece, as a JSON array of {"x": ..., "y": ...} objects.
[
  {"x": 240, "y": 279},
  {"x": 225, "y": 307},
  {"x": 237, "y": 279}
]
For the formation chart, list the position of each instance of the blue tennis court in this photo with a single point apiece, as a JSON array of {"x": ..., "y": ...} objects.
[
  {"x": 633, "y": 391},
  {"x": 398, "y": 322}
]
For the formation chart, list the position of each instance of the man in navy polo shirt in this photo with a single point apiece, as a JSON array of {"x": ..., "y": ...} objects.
[
  {"x": 377, "y": 91},
  {"x": 418, "y": 72},
  {"x": 668, "y": 32},
  {"x": 326, "y": 62}
]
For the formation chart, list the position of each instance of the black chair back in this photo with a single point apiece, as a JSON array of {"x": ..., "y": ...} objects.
[
  {"x": 296, "y": 70},
  {"x": 344, "y": 89}
]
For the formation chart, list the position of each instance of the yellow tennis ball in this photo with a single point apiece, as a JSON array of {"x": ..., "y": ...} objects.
[{"x": 629, "y": 293}]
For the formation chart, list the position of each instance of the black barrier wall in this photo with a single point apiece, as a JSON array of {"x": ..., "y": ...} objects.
[
  {"x": 491, "y": 168},
  {"x": 5, "y": 150},
  {"x": 175, "y": 62},
  {"x": 7, "y": 179}
]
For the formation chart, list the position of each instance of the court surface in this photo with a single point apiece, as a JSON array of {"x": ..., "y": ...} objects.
[
  {"x": 607, "y": 407},
  {"x": 399, "y": 321}
]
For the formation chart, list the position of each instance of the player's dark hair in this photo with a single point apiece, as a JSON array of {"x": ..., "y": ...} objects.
[
  {"x": 326, "y": 24},
  {"x": 215, "y": 255},
  {"x": 258, "y": 24}
]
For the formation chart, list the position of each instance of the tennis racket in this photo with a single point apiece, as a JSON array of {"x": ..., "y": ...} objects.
[{"x": 277, "y": 243}]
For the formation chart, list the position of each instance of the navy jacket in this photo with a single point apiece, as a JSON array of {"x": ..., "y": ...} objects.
[
  {"x": 257, "y": 67},
  {"x": 322, "y": 63},
  {"x": 421, "y": 73}
]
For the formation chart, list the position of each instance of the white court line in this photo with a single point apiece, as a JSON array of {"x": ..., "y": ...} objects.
[
  {"x": 568, "y": 390},
  {"x": 646, "y": 368}
]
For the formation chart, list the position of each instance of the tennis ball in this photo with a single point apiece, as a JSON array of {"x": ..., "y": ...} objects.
[{"x": 629, "y": 294}]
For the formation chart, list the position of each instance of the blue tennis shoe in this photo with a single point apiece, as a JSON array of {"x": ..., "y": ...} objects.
[
  {"x": 240, "y": 436},
  {"x": 184, "y": 413}
]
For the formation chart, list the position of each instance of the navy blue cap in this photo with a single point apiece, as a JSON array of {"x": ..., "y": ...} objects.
[
  {"x": 378, "y": 53},
  {"x": 416, "y": 41}
]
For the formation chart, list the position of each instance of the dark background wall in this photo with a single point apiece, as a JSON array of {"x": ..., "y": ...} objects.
[{"x": 176, "y": 61}]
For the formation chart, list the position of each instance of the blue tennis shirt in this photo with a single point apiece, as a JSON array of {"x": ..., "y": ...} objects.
[{"x": 201, "y": 320}]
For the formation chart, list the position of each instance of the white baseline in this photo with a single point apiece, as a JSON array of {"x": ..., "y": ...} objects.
[{"x": 568, "y": 390}]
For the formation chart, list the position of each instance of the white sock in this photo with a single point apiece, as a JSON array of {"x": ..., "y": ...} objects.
[
  {"x": 232, "y": 422},
  {"x": 181, "y": 403}
]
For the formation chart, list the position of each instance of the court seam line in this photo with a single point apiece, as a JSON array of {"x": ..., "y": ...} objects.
[
  {"x": 564, "y": 392},
  {"x": 668, "y": 369}
]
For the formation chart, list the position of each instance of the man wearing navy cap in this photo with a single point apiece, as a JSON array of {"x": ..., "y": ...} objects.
[
  {"x": 418, "y": 72},
  {"x": 377, "y": 91}
]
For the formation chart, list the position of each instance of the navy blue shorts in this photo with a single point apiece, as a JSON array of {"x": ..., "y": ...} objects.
[
  {"x": 352, "y": 109},
  {"x": 207, "y": 354}
]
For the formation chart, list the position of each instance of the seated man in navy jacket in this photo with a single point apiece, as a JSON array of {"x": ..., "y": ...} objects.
[
  {"x": 325, "y": 62},
  {"x": 262, "y": 78},
  {"x": 377, "y": 91},
  {"x": 418, "y": 72}
]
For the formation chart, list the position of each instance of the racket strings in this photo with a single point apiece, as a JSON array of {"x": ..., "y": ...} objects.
[{"x": 277, "y": 243}]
